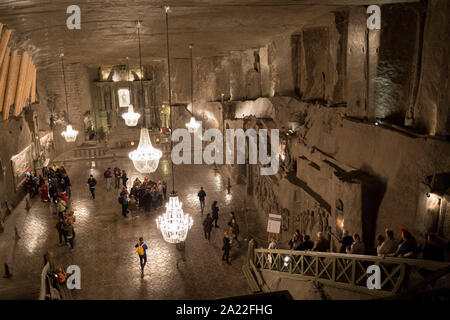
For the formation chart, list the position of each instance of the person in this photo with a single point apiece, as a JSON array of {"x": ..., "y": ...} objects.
[
  {"x": 133, "y": 207},
  {"x": 232, "y": 216},
  {"x": 60, "y": 228},
  {"x": 234, "y": 230},
  {"x": 357, "y": 246},
  {"x": 62, "y": 206},
  {"x": 44, "y": 193},
  {"x": 346, "y": 242},
  {"x": 108, "y": 176},
  {"x": 68, "y": 185},
  {"x": 147, "y": 200},
  {"x": 298, "y": 244},
  {"x": 155, "y": 198},
  {"x": 389, "y": 245},
  {"x": 142, "y": 253},
  {"x": 432, "y": 250},
  {"x": 164, "y": 188},
  {"x": 407, "y": 247},
  {"x": 123, "y": 200},
  {"x": 69, "y": 232},
  {"x": 207, "y": 226},
  {"x": 117, "y": 175},
  {"x": 307, "y": 243},
  {"x": 322, "y": 244},
  {"x": 181, "y": 248},
  {"x": 201, "y": 196},
  {"x": 294, "y": 239},
  {"x": 215, "y": 213},
  {"x": 272, "y": 246},
  {"x": 92, "y": 183},
  {"x": 61, "y": 276},
  {"x": 124, "y": 178},
  {"x": 226, "y": 248}
]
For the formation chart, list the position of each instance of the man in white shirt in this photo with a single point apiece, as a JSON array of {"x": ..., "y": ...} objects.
[{"x": 389, "y": 245}]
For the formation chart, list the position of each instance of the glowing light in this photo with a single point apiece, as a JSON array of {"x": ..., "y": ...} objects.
[
  {"x": 131, "y": 118},
  {"x": 193, "y": 125},
  {"x": 70, "y": 134},
  {"x": 145, "y": 158},
  {"x": 174, "y": 223}
]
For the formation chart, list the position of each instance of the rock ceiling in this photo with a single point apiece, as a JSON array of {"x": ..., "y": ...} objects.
[{"x": 108, "y": 30}]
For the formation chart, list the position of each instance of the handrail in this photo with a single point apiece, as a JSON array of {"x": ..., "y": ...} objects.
[{"x": 342, "y": 270}]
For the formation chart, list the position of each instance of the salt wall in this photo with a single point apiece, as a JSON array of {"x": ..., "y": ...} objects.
[{"x": 337, "y": 80}]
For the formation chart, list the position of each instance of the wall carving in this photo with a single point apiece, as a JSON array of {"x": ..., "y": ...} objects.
[{"x": 20, "y": 164}]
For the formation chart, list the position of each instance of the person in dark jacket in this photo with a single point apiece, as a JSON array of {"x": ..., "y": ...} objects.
[
  {"x": 117, "y": 175},
  {"x": 68, "y": 185},
  {"x": 124, "y": 201},
  {"x": 234, "y": 229},
  {"x": 207, "y": 226},
  {"x": 226, "y": 247},
  {"x": 232, "y": 216},
  {"x": 215, "y": 213},
  {"x": 69, "y": 232},
  {"x": 147, "y": 201},
  {"x": 60, "y": 228},
  {"x": 92, "y": 183},
  {"x": 201, "y": 196},
  {"x": 124, "y": 178},
  {"x": 307, "y": 243},
  {"x": 346, "y": 242}
]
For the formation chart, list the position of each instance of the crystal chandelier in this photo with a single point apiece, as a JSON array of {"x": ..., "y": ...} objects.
[
  {"x": 131, "y": 118},
  {"x": 145, "y": 158},
  {"x": 192, "y": 125},
  {"x": 70, "y": 135},
  {"x": 174, "y": 223}
]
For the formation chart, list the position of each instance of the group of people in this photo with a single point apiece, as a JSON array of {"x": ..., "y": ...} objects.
[
  {"x": 65, "y": 227},
  {"x": 211, "y": 221},
  {"x": 387, "y": 246},
  {"x": 145, "y": 195}
]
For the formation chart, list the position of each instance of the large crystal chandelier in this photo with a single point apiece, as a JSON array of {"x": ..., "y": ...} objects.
[
  {"x": 174, "y": 223},
  {"x": 70, "y": 135},
  {"x": 192, "y": 125},
  {"x": 131, "y": 118},
  {"x": 145, "y": 158}
]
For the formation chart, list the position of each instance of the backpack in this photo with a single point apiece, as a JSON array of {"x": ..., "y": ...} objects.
[{"x": 140, "y": 249}]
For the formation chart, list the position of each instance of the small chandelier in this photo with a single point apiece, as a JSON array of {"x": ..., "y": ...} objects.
[
  {"x": 131, "y": 118},
  {"x": 193, "y": 125},
  {"x": 145, "y": 158},
  {"x": 70, "y": 134},
  {"x": 174, "y": 223}
]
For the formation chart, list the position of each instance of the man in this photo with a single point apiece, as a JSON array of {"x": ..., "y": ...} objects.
[
  {"x": 207, "y": 226},
  {"x": 215, "y": 213},
  {"x": 234, "y": 229},
  {"x": 117, "y": 175},
  {"x": 357, "y": 246},
  {"x": 389, "y": 245},
  {"x": 69, "y": 232},
  {"x": 232, "y": 216},
  {"x": 92, "y": 183},
  {"x": 142, "y": 252},
  {"x": 124, "y": 201},
  {"x": 201, "y": 196},
  {"x": 68, "y": 185},
  {"x": 124, "y": 178},
  {"x": 60, "y": 228},
  {"x": 226, "y": 247},
  {"x": 108, "y": 176},
  {"x": 322, "y": 244}
]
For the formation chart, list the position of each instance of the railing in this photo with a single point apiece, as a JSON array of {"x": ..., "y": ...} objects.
[
  {"x": 89, "y": 153},
  {"x": 343, "y": 270}
]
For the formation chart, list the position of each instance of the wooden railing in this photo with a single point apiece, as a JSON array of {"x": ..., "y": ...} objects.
[
  {"x": 343, "y": 270},
  {"x": 89, "y": 152}
]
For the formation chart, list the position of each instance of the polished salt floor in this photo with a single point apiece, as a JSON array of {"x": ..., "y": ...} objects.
[{"x": 104, "y": 245}]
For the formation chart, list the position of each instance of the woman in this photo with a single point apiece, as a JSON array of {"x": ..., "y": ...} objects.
[
  {"x": 132, "y": 206},
  {"x": 44, "y": 192},
  {"x": 215, "y": 213}
]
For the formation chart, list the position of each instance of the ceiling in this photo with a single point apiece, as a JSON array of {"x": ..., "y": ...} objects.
[{"x": 108, "y": 29}]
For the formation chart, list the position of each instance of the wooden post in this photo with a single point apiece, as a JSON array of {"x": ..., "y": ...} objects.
[
  {"x": 11, "y": 86},
  {"x": 4, "y": 44},
  {"x": 33, "y": 86},
  {"x": 24, "y": 65},
  {"x": 28, "y": 83},
  {"x": 3, "y": 77}
]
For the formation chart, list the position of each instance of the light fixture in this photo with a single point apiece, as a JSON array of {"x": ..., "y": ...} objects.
[
  {"x": 192, "y": 125},
  {"x": 131, "y": 118},
  {"x": 70, "y": 135},
  {"x": 145, "y": 158},
  {"x": 174, "y": 223}
]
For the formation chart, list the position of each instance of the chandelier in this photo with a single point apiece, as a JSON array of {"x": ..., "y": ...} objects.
[
  {"x": 174, "y": 223},
  {"x": 145, "y": 158},
  {"x": 192, "y": 125},
  {"x": 131, "y": 118},
  {"x": 70, "y": 135}
]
